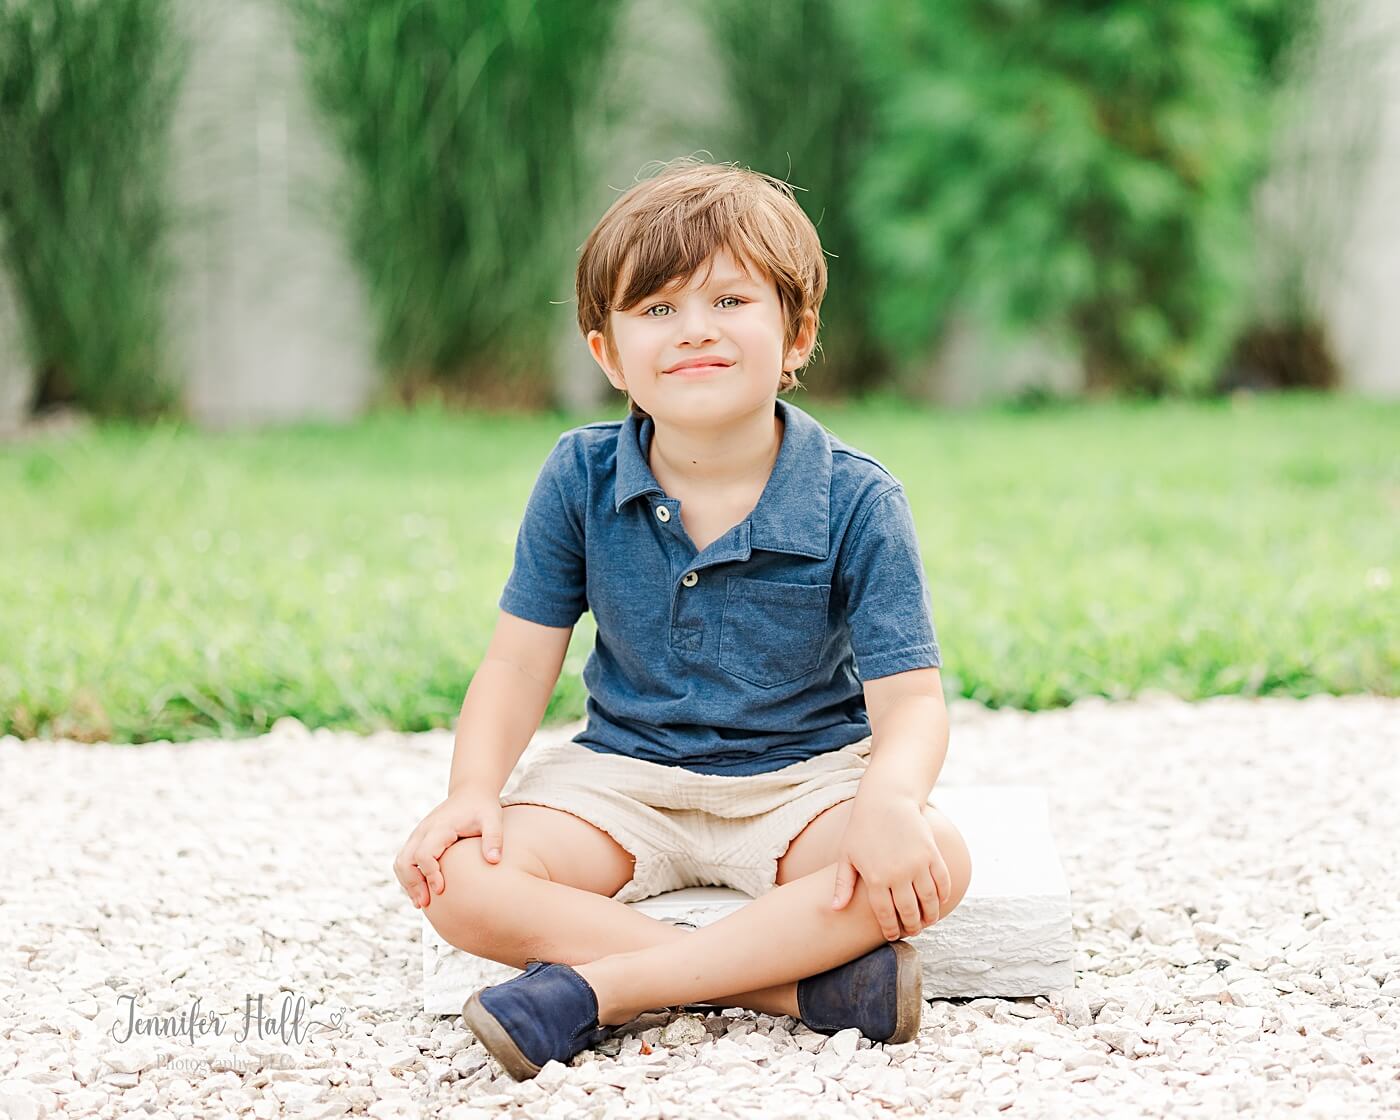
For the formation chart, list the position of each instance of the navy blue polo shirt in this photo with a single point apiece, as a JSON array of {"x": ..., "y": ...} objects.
[{"x": 748, "y": 656}]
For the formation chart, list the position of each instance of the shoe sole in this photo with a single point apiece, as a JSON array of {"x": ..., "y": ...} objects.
[
  {"x": 497, "y": 1040},
  {"x": 909, "y": 987}
]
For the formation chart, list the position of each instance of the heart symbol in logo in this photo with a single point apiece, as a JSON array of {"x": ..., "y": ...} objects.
[{"x": 334, "y": 1024}]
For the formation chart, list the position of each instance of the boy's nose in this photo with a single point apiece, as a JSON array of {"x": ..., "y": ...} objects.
[{"x": 697, "y": 328}]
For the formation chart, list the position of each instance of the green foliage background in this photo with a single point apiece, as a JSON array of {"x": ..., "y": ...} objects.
[
  {"x": 465, "y": 127},
  {"x": 1074, "y": 168},
  {"x": 1078, "y": 167},
  {"x": 86, "y": 93}
]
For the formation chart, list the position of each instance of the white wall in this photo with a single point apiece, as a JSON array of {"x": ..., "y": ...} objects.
[
  {"x": 268, "y": 316},
  {"x": 17, "y": 375},
  {"x": 1348, "y": 153}
]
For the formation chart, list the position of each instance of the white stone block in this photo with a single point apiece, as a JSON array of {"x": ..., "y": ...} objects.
[{"x": 1011, "y": 936}]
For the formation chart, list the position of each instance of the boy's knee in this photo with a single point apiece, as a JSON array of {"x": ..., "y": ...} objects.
[
  {"x": 465, "y": 862},
  {"x": 476, "y": 892}
]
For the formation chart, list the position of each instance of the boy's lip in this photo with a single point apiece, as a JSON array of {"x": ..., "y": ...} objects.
[{"x": 698, "y": 364}]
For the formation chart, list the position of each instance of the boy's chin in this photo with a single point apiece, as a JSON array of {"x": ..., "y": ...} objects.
[{"x": 703, "y": 413}]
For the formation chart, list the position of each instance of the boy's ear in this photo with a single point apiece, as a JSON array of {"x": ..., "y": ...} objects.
[
  {"x": 802, "y": 345},
  {"x": 598, "y": 347}
]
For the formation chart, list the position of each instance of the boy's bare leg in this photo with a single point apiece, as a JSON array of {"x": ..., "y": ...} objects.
[
  {"x": 772, "y": 942},
  {"x": 583, "y": 927}
]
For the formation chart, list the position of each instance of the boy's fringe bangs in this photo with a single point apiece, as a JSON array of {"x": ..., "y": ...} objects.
[{"x": 673, "y": 244}]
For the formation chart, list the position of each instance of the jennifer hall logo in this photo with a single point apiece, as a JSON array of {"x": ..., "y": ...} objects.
[{"x": 292, "y": 1020}]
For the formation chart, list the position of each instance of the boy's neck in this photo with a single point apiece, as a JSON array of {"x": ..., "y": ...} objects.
[{"x": 739, "y": 455}]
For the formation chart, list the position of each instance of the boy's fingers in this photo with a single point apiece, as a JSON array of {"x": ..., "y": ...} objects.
[
  {"x": 942, "y": 879},
  {"x": 491, "y": 830},
  {"x": 410, "y": 879},
  {"x": 879, "y": 903},
  {"x": 907, "y": 905},
  {"x": 928, "y": 898},
  {"x": 432, "y": 875},
  {"x": 845, "y": 884},
  {"x": 414, "y": 888},
  {"x": 886, "y": 914}
]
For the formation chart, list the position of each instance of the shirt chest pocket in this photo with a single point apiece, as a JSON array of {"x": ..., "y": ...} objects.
[{"x": 772, "y": 633}]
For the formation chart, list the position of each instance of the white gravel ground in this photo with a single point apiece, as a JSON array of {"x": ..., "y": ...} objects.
[{"x": 1236, "y": 909}]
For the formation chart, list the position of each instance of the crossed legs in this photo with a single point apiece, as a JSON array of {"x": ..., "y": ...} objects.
[{"x": 550, "y": 897}]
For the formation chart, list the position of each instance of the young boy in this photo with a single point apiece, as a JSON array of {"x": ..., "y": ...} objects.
[{"x": 764, "y": 706}]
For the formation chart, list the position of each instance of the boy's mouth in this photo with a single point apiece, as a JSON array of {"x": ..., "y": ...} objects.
[{"x": 698, "y": 369}]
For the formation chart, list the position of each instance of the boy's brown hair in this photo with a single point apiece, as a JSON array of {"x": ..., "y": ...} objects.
[{"x": 665, "y": 227}]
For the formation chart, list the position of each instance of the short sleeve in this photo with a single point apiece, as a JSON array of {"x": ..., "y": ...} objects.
[
  {"x": 548, "y": 581},
  {"x": 886, "y": 592}
]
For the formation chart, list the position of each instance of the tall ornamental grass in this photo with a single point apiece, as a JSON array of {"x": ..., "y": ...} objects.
[
  {"x": 466, "y": 128},
  {"x": 87, "y": 90},
  {"x": 1080, "y": 167}
]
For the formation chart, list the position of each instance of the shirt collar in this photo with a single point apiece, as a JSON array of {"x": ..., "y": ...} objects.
[{"x": 793, "y": 513}]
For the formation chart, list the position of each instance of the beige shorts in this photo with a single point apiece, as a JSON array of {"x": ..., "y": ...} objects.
[{"x": 687, "y": 829}]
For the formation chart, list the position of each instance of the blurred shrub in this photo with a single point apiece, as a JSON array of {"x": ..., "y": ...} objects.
[
  {"x": 1077, "y": 166},
  {"x": 86, "y": 95},
  {"x": 462, "y": 124},
  {"x": 803, "y": 114},
  {"x": 1274, "y": 28}
]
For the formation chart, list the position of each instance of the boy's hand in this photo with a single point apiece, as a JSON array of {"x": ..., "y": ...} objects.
[
  {"x": 468, "y": 812},
  {"x": 890, "y": 844}
]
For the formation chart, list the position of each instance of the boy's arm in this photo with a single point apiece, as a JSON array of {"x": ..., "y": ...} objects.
[
  {"x": 505, "y": 701},
  {"x": 909, "y": 730},
  {"x": 882, "y": 582}
]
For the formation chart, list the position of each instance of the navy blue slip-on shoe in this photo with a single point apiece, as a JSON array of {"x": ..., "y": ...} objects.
[
  {"x": 546, "y": 1013},
  {"x": 881, "y": 994}
]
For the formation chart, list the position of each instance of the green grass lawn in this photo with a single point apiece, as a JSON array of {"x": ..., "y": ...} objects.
[{"x": 164, "y": 584}]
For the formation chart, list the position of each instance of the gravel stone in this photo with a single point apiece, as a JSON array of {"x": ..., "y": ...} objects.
[
  {"x": 1236, "y": 923},
  {"x": 684, "y": 1029}
]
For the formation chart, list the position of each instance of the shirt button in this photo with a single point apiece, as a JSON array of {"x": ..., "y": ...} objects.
[
  {"x": 663, "y": 514},
  {"x": 690, "y": 579}
]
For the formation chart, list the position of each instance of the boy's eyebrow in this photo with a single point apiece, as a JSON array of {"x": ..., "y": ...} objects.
[{"x": 734, "y": 278}]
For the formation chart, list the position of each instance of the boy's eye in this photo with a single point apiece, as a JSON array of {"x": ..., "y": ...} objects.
[{"x": 655, "y": 306}]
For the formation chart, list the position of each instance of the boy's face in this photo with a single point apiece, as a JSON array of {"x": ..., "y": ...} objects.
[{"x": 733, "y": 317}]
